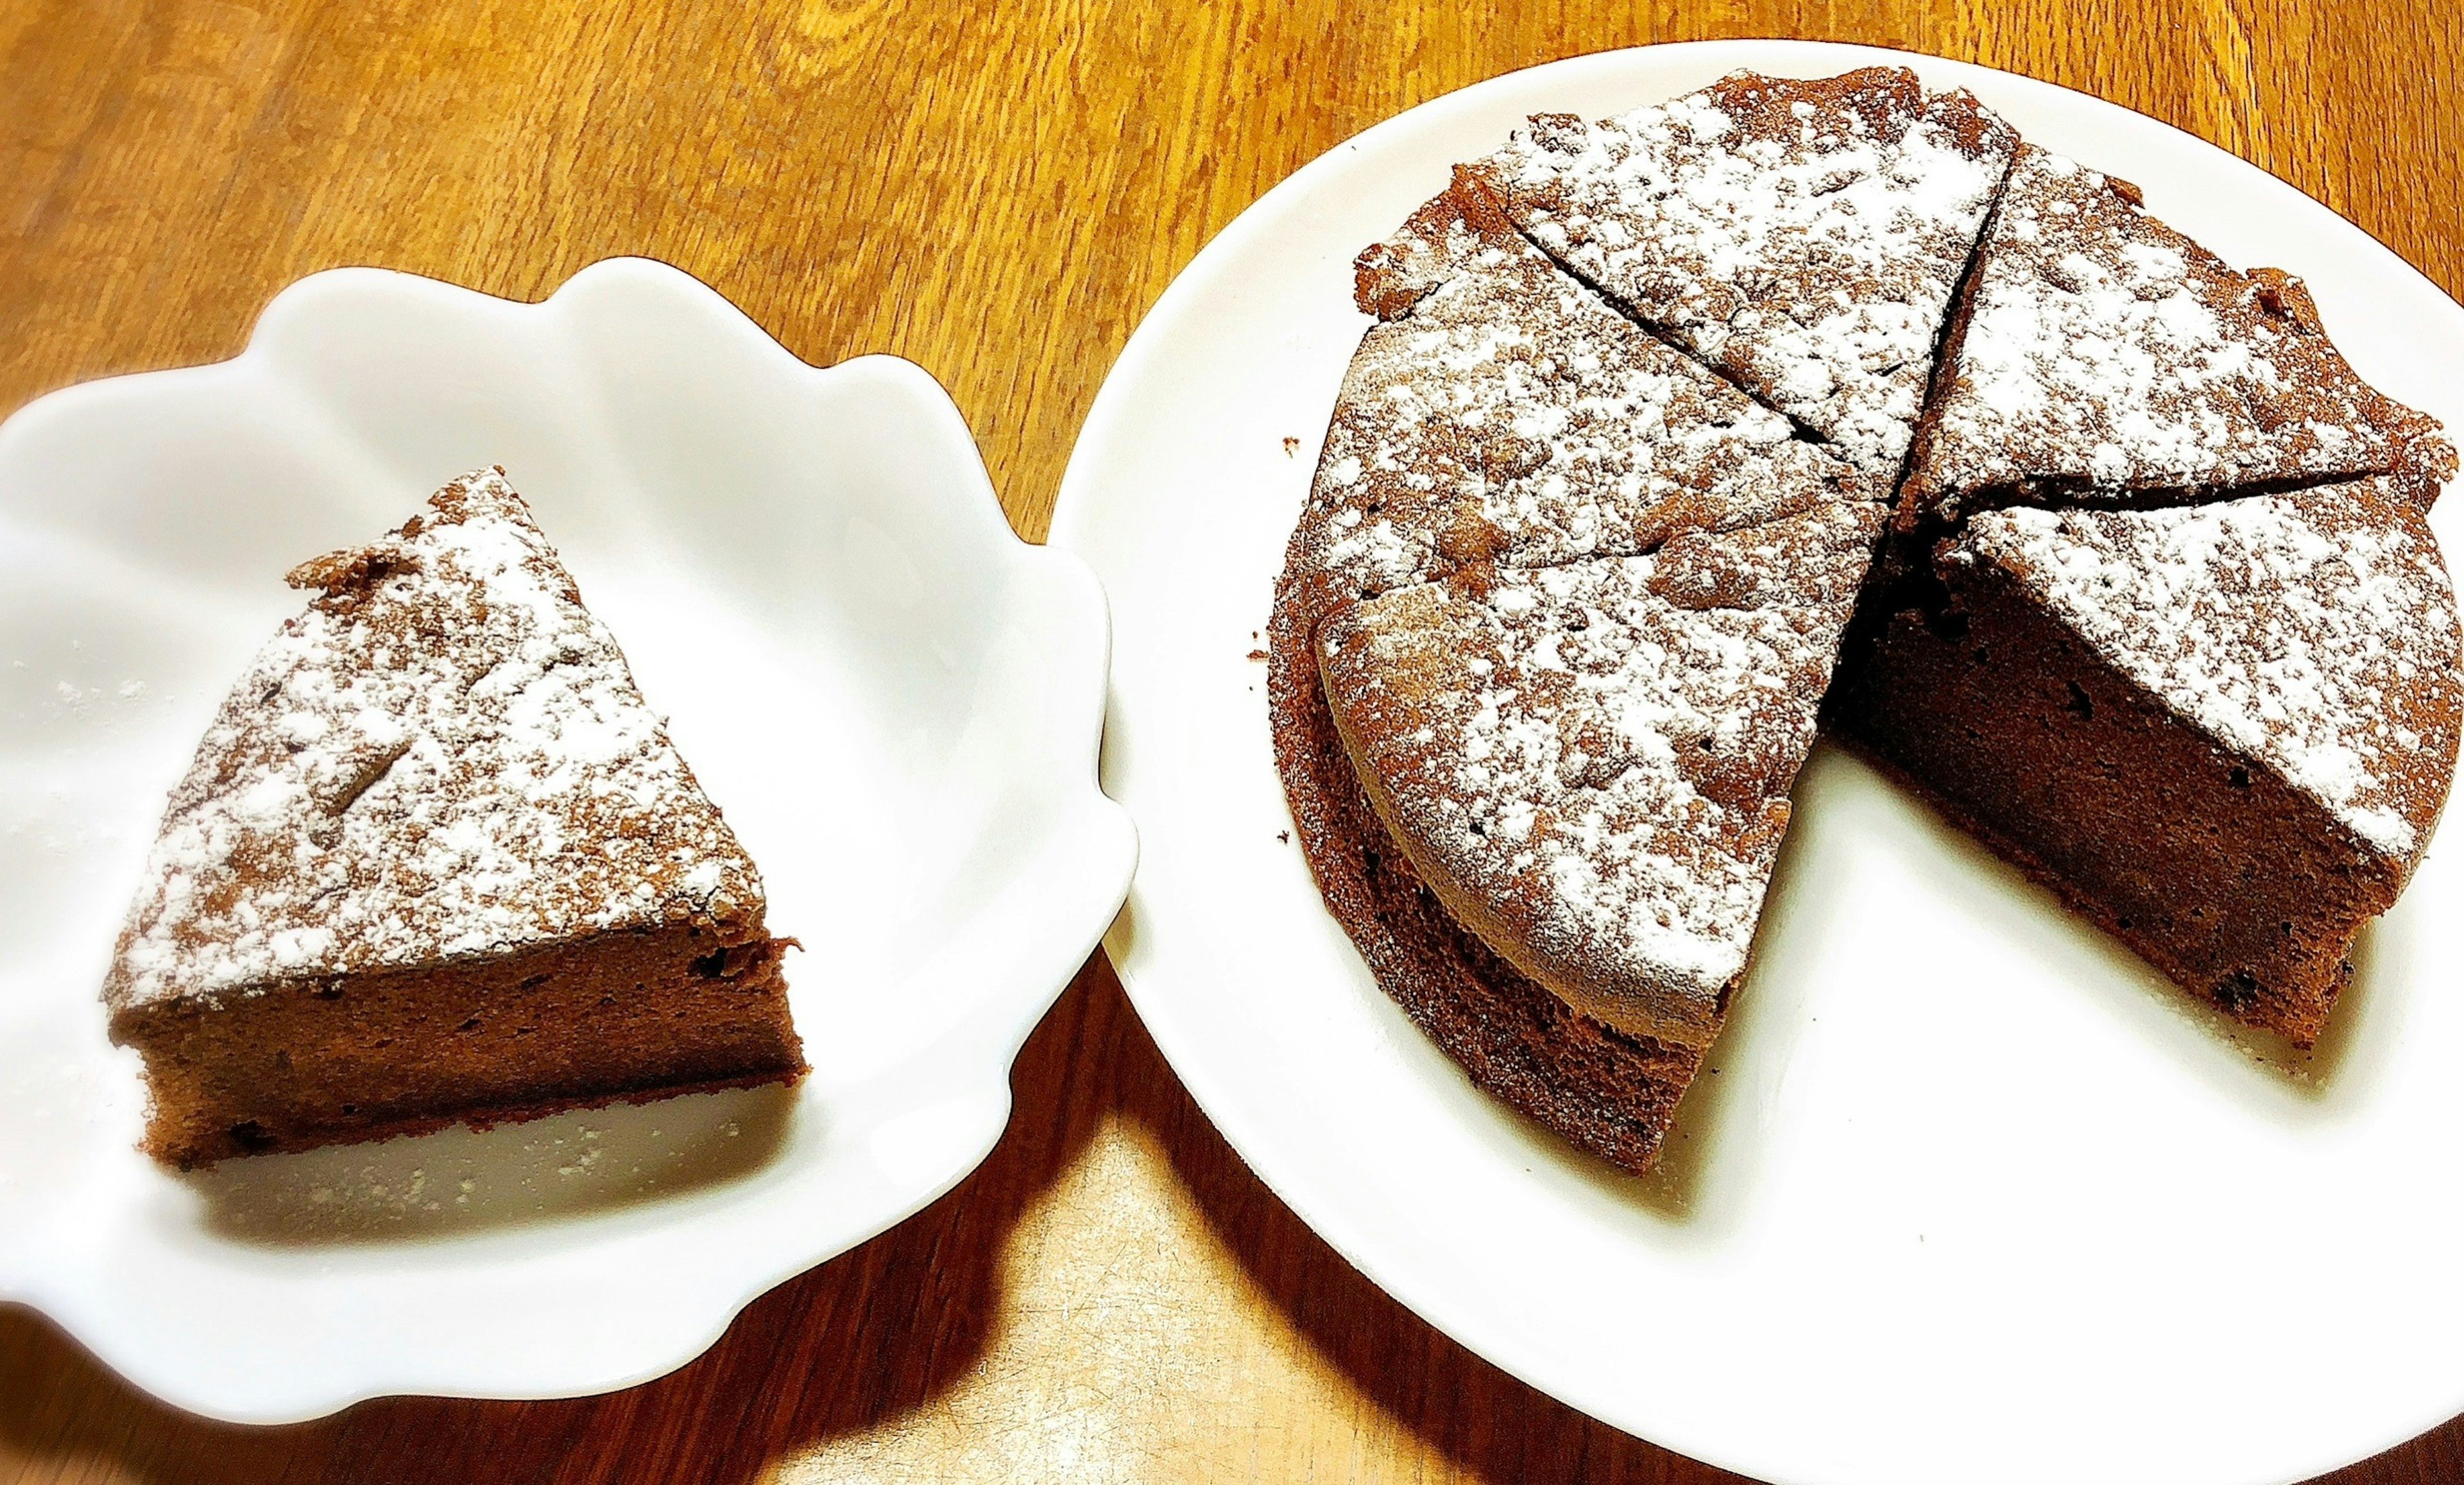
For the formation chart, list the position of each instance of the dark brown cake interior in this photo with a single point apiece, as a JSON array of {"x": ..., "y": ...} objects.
[
  {"x": 2233, "y": 883},
  {"x": 681, "y": 1008}
]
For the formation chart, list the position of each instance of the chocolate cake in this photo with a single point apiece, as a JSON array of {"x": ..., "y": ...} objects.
[
  {"x": 1499, "y": 412},
  {"x": 1501, "y": 420},
  {"x": 2161, "y": 620},
  {"x": 1600, "y": 1089},
  {"x": 2102, "y": 358},
  {"x": 1803, "y": 237},
  {"x": 436, "y": 860},
  {"x": 2222, "y": 732},
  {"x": 1590, "y": 763}
]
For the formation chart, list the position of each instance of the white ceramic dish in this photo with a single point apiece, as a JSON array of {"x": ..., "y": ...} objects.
[
  {"x": 894, "y": 699},
  {"x": 1971, "y": 1196}
]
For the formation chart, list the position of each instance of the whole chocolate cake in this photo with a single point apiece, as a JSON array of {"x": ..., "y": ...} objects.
[{"x": 1597, "y": 532}]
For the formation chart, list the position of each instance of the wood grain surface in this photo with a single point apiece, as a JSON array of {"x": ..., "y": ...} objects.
[{"x": 998, "y": 193}]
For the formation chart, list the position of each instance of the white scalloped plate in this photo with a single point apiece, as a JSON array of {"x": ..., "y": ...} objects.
[
  {"x": 894, "y": 699},
  {"x": 1970, "y": 1196}
]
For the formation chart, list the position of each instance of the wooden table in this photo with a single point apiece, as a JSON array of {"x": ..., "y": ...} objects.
[{"x": 1112, "y": 1296}]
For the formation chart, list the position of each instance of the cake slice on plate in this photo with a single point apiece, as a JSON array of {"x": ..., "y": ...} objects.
[
  {"x": 1804, "y": 237},
  {"x": 2099, "y": 357},
  {"x": 435, "y": 860},
  {"x": 2222, "y": 732}
]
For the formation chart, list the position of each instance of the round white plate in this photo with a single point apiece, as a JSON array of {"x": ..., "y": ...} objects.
[
  {"x": 895, "y": 701},
  {"x": 1968, "y": 1194}
]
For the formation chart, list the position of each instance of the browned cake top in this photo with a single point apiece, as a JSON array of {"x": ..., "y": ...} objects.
[
  {"x": 2104, "y": 349},
  {"x": 444, "y": 756},
  {"x": 1803, "y": 236},
  {"x": 1590, "y": 763},
  {"x": 2314, "y": 633},
  {"x": 1502, "y": 412}
]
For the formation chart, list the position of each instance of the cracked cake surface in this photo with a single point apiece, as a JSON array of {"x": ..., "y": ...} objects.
[
  {"x": 444, "y": 756},
  {"x": 2162, "y": 624},
  {"x": 2101, "y": 354},
  {"x": 1804, "y": 237},
  {"x": 1591, "y": 763},
  {"x": 1501, "y": 412}
]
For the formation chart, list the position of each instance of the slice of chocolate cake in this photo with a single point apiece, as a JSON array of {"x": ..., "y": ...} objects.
[
  {"x": 1805, "y": 237},
  {"x": 2102, "y": 358},
  {"x": 1501, "y": 417},
  {"x": 2162, "y": 622},
  {"x": 1590, "y": 764},
  {"x": 1501, "y": 412},
  {"x": 436, "y": 860},
  {"x": 2222, "y": 732},
  {"x": 1600, "y": 1088}
]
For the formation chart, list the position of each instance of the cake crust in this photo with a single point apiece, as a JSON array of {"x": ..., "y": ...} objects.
[{"x": 1600, "y": 1089}]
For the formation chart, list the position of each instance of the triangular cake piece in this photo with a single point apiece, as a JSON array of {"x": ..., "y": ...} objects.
[
  {"x": 1589, "y": 764},
  {"x": 1804, "y": 237},
  {"x": 1501, "y": 412},
  {"x": 1500, "y": 418},
  {"x": 437, "y": 860},
  {"x": 1603, "y": 1090},
  {"x": 2223, "y": 732},
  {"x": 2102, "y": 358}
]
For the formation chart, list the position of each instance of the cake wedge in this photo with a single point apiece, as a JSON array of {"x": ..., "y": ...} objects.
[
  {"x": 435, "y": 860},
  {"x": 1802, "y": 236},
  {"x": 1499, "y": 419},
  {"x": 2100, "y": 357},
  {"x": 1589, "y": 764},
  {"x": 2223, "y": 732},
  {"x": 1500, "y": 413}
]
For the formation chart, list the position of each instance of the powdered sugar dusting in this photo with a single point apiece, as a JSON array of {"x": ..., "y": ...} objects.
[
  {"x": 2313, "y": 632},
  {"x": 1804, "y": 237},
  {"x": 1596, "y": 758},
  {"x": 444, "y": 756},
  {"x": 1504, "y": 413},
  {"x": 2105, "y": 349}
]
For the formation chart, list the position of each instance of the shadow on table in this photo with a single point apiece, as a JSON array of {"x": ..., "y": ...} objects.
[{"x": 887, "y": 1330}]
